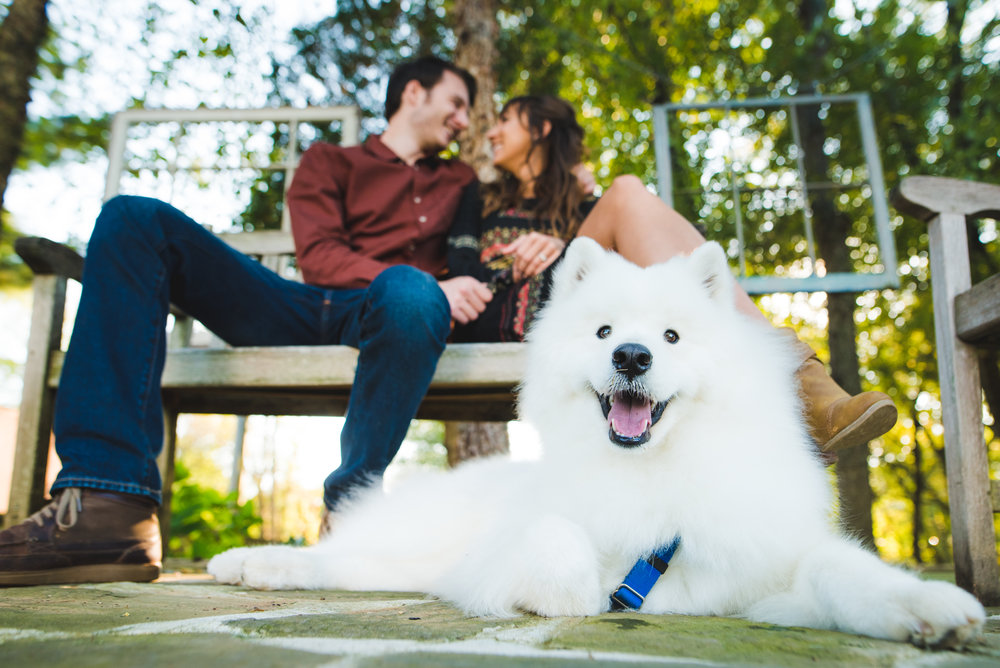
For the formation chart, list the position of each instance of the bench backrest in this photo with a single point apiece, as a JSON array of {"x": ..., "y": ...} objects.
[
  {"x": 177, "y": 153},
  {"x": 231, "y": 155}
]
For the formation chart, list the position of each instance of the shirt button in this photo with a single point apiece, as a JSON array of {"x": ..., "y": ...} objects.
[
  {"x": 422, "y": 219},
  {"x": 416, "y": 200}
]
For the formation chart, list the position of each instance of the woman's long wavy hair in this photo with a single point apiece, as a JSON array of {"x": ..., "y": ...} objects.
[{"x": 556, "y": 189}]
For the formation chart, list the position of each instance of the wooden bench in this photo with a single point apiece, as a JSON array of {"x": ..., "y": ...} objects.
[
  {"x": 473, "y": 382},
  {"x": 965, "y": 316}
]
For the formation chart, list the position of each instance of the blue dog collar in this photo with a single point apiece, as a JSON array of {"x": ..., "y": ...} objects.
[{"x": 631, "y": 593}]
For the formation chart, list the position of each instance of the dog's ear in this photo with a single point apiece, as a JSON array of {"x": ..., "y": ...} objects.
[
  {"x": 582, "y": 256},
  {"x": 711, "y": 267}
]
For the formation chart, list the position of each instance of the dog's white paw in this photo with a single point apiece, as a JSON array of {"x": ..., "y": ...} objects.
[
  {"x": 934, "y": 614},
  {"x": 582, "y": 600},
  {"x": 270, "y": 567},
  {"x": 227, "y": 567},
  {"x": 280, "y": 567}
]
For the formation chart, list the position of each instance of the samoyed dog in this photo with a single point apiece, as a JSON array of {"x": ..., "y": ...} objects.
[{"x": 670, "y": 427}]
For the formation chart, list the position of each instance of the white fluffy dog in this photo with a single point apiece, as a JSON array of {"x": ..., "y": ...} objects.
[{"x": 663, "y": 413}]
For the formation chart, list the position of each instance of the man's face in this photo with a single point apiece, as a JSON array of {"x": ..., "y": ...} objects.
[{"x": 442, "y": 113}]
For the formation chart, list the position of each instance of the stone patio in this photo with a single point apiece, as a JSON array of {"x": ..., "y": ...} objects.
[{"x": 184, "y": 619}]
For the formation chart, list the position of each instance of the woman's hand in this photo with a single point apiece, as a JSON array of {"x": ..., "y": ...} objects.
[
  {"x": 585, "y": 179},
  {"x": 533, "y": 253}
]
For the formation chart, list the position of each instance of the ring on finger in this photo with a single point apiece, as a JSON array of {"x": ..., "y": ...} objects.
[{"x": 543, "y": 257}]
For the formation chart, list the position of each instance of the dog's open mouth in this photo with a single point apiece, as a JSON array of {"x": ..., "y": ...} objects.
[{"x": 629, "y": 416}]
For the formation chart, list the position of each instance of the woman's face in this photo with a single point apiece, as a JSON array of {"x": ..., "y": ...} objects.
[{"x": 510, "y": 140}]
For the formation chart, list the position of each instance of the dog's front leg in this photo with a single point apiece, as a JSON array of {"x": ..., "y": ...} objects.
[
  {"x": 840, "y": 586},
  {"x": 559, "y": 572},
  {"x": 548, "y": 567}
]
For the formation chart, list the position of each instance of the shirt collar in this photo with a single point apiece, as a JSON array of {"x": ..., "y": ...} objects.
[{"x": 376, "y": 147}]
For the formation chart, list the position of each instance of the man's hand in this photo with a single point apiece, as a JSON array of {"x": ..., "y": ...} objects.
[{"x": 466, "y": 296}]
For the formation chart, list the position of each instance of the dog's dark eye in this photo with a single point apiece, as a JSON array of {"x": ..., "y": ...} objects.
[
  {"x": 670, "y": 336},
  {"x": 604, "y": 332}
]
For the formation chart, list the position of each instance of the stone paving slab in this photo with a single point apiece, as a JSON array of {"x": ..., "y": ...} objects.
[{"x": 187, "y": 620}]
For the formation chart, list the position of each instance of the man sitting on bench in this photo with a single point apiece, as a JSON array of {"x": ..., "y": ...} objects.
[{"x": 369, "y": 223}]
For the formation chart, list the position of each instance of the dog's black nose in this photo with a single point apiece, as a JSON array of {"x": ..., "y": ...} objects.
[{"x": 632, "y": 359}]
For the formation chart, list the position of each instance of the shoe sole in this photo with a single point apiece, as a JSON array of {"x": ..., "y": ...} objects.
[
  {"x": 82, "y": 574},
  {"x": 877, "y": 420}
]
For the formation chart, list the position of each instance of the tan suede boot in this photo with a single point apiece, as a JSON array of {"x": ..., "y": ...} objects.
[{"x": 836, "y": 420}]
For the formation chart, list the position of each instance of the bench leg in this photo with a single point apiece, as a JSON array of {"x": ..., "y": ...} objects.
[
  {"x": 973, "y": 535},
  {"x": 166, "y": 465},
  {"x": 34, "y": 426}
]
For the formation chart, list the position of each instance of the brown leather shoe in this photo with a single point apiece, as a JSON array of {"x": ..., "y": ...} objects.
[
  {"x": 837, "y": 420},
  {"x": 83, "y": 535}
]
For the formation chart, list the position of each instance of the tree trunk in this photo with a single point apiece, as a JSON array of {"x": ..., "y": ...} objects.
[
  {"x": 467, "y": 440},
  {"x": 831, "y": 228},
  {"x": 21, "y": 37},
  {"x": 476, "y": 31},
  {"x": 855, "y": 490}
]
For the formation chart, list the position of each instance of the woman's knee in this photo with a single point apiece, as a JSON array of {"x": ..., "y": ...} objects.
[
  {"x": 616, "y": 209},
  {"x": 629, "y": 191},
  {"x": 627, "y": 185}
]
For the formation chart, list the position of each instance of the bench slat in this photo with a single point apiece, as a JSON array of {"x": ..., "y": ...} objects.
[
  {"x": 473, "y": 381},
  {"x": 462, "y": 365},
  {"x": 261, "y": 242}
]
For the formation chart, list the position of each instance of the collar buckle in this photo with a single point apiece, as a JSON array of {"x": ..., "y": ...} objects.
[
  {"x": 626, "y": 598},
  {"x": 631, "y": 594}
]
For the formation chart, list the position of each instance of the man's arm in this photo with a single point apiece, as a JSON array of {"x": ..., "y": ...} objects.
[
  {"x": 463, "y": 237},
  {"x": 322, "y": 241}
]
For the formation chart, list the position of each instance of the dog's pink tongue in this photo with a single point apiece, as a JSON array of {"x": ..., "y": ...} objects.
[{"x": 630, "y": 416}]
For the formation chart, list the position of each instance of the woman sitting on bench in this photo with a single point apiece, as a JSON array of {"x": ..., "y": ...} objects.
[{"x": 512, "y": 232}]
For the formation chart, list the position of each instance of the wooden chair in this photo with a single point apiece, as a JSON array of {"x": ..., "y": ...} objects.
[{"x": 965, "y": 316}]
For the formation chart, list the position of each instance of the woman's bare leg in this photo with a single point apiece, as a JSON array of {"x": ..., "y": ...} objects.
[{"x": 641, "y": 227}]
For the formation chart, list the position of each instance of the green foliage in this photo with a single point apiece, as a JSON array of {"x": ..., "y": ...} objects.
[
  {"x": 428, "y": 435},
  {"x": 13, "y": 272},
  {"x": 204, "y": 522},
  {"x": 352, "y": 51},
  {"x": 63, "y": 138}
]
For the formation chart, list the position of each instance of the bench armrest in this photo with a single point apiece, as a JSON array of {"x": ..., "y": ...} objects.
[
  {"x": 925, "y": 196},
  {"x": 45, "y": 256}
]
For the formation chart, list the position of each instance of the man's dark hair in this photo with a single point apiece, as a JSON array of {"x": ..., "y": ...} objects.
[{"x": 427, "y": 71}]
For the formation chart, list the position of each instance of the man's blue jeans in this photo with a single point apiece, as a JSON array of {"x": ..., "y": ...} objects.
[{"x": 143, "y": 256}]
